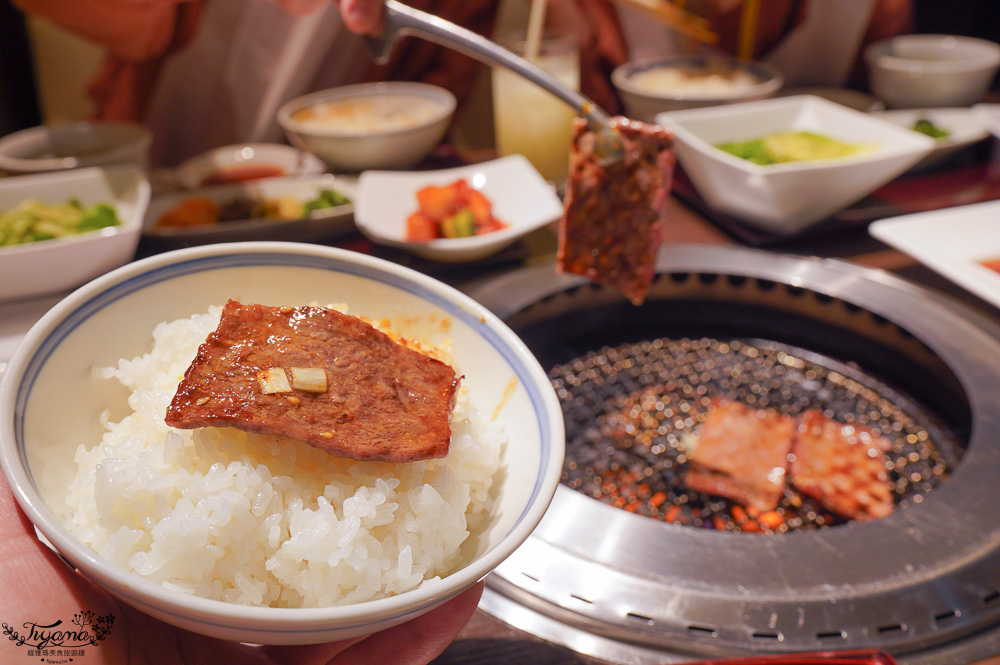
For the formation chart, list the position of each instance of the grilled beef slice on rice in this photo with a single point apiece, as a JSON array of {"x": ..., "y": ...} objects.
[
  {"x": 742, "y": 454},
  {"x": 611, "y": 227},
  {"x": 319, "y": 376},
  {"x": 841, "y": 466}
]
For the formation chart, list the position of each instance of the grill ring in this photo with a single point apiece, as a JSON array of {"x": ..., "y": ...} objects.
[{"x": 926, "y": 578}]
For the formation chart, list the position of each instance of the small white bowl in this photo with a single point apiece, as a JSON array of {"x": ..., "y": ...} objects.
[
  {"x": 786, "y": 198},
  {"x": 60, "y": 264},
  {"x": 696, "y": 81},
  {"x": 520, "y": 195},
  {"x": 965, "y": 128},
  {"x": 113, "y": 317},
  {"x": 246, "y": 161},
  {"x": 389, "y": 125},
  {"x": 929, "y": 71},
  {"x": 62, "y": 146}
]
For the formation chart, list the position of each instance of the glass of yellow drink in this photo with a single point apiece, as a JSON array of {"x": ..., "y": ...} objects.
[{"x": 531, "y": 121}]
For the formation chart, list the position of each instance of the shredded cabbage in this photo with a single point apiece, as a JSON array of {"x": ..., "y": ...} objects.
[{"x": 32, "y": 220}]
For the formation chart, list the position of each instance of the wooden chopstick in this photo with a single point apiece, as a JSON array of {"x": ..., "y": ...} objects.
[{"x": 671, "y": 15}]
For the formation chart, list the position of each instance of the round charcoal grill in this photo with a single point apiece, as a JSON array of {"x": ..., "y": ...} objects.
[{"x": 631, "y": 566}]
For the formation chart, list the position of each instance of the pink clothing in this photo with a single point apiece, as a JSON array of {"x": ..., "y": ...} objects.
[{"x": 138, "y": 34}]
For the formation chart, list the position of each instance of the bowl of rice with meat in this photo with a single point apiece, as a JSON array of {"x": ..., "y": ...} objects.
[{"x": 271, "y": 521}]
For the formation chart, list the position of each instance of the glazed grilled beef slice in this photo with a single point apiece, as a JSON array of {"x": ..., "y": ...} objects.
[
  {"x": 614, "y": 214},
  {"x": 742, "y": 454},
  {"x": 383, "y": 401},
  {"x": 842, "y": 466}
]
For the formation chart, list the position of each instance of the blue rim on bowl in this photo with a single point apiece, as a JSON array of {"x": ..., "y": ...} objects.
[{"x": 268, "y": 624}]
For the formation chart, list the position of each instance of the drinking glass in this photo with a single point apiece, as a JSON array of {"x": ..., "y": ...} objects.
[{"x": 529, "y": 120}]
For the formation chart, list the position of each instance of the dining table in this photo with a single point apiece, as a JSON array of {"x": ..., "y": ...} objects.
[{"x": 488, "y": 640}]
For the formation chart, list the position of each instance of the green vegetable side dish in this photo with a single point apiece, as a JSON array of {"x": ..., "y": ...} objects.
[
  {"x": 34, "y": 221},
  {"x": 925, "y": 126},
  {"x": 328, "y": 198},
  {"x": 460, "y": 225},
  {"x": 782, "y": 147}
]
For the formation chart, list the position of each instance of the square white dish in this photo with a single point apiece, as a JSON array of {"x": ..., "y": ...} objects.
[
  {"x": 324, "y": 223},
  {"x": 521, "y": 198},
  {"x": 51, "y": 266},
  {"x": 788, "y": 197},
  {"x": 953, "y": 242}
]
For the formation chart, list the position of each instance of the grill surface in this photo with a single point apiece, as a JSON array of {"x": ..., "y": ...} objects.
[
  {"x": 783, "y": 333},
  {"x": 630, "y": 411}
]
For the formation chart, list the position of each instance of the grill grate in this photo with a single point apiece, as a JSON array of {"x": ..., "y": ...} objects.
[{"x": 630, "y": 411}]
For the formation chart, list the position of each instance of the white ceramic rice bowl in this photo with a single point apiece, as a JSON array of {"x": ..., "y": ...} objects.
[
  {"x": 353, "y": 151},
  {"x": 113, "y": 317},
  {"x": 643, "y": 103},
  {"x": 928, "y": 71}
]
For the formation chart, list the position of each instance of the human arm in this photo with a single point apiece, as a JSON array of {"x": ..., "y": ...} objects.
[
  {"x": 128, "y": 29},
  {"x": 362, "y": 16},
  {"x": 134, "y": 30}
]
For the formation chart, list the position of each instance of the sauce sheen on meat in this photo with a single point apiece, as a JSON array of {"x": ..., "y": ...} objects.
[
  {"x": 742, "y": 454},
  {"x": 612, "y": 224},
  {"x": 843, "y": 466},
  {"x": 382, "y": 400}
]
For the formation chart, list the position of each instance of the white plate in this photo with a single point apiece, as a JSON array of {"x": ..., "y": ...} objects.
[
  {"x": 952, "y": 242},
  {"x": 322, "y": 224},
  {"x": 520, "y": 195},
  {"x": 288, "y": 161},
  {"x": 57, "y": 265},
  {"x": 989, "y": 115},
  {"x": 966, "y": 128}
]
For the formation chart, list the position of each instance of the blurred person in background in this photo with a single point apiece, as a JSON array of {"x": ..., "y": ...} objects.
[
  {"x": 205, "y": 73},
  {"x": 812, "y": 42}
]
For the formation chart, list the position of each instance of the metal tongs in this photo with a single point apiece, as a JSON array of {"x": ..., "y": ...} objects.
[{"x": 401, "y": 20}]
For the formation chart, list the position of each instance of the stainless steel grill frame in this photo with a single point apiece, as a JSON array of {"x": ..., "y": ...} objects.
[{"x": 922, "y": 584}]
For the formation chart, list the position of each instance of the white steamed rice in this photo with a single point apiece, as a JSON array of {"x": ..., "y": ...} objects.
[{"x": 260, "y": 520}]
